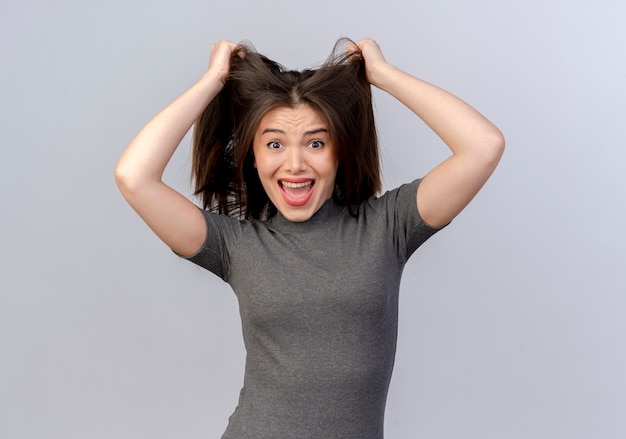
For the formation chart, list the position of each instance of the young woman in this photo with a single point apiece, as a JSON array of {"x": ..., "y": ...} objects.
[{"x": 286, "y": 165}]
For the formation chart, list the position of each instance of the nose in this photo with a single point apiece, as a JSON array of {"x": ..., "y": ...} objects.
[{"x": 295, "y": 161}]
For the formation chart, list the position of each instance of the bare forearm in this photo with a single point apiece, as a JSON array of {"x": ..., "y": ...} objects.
[
  {"x": 476, "y": 143},
  {"x": 459, "y": 125},
  {"x": 146, "y": 157}
]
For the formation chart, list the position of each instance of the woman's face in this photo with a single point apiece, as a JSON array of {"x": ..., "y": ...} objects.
[{"x": 296, "y": 160}]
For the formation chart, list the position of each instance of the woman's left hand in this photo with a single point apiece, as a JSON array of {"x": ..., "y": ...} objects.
[{"x": 373, "y": 56}]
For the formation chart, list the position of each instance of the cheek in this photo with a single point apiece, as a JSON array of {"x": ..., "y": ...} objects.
[
  {"x": 261, "y": 164},
  {"x": 330, "y": 166},
  {"x": 265, "y": 167}
]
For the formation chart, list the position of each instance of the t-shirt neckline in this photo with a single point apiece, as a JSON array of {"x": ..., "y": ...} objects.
[{"x": 327, "y": 211}]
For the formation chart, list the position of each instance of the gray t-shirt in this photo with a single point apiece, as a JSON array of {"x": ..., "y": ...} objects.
[{"x": 319, "y": 306}]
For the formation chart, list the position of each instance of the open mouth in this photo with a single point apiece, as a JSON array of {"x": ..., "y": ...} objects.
[{"x": 296, "y": 192}]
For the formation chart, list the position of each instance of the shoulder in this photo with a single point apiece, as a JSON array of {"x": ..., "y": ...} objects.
[
  {"x": 396, "y": 212},
  {"x": 222, "y": 234},
  {"x": 401, "y": 198}
]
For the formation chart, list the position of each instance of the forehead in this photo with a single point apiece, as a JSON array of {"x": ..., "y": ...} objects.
[{"x": 294, "y": 119}]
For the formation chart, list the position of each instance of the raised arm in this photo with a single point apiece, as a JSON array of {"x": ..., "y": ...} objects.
[
  {"x": 476, "y": 143},
  {"x": 172, "y": 216}
]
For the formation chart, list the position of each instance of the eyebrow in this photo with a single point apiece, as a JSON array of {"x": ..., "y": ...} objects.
[{"x": 306, "y": 133}]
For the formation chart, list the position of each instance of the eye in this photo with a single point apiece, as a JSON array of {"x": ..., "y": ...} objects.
[
  {"x": 316, "y": 144},
  {"x": 274, "y": 145}
]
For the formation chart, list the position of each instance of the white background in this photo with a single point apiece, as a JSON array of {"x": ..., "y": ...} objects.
[{"x": 513, "y": 320}]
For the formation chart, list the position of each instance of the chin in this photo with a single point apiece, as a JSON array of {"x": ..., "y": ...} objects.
[{"x": 297, "y": 215}]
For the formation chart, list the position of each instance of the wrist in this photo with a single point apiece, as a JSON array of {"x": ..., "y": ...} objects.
[
  {"x": 214, "y": 76},
  {"x": 382, "y": 74},
  {"x": 212, "y": 82}
]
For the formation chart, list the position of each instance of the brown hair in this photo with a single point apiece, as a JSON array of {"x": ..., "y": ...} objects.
[{"x": 223, "y": 162}]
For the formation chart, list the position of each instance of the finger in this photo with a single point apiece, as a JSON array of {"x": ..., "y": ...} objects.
[{"x": 352, "y": 47}]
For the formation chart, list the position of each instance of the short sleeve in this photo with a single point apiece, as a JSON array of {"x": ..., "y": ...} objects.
[
  {"x": 402, "y": 215},
  {"x": 221, "y": 233}
]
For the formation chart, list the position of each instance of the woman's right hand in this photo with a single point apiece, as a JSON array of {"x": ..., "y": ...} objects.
[{"x": 219, "y": 62}]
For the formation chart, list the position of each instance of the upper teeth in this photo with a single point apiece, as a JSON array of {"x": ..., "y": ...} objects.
[{"x": 296, "y": 185}]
